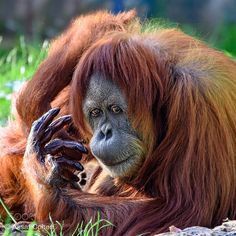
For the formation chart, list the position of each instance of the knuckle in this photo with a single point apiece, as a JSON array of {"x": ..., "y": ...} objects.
[
  {"x": 32, "y": 136},
  {"x": 57, "y": 142},
  {"x": 35, "y": 124}
]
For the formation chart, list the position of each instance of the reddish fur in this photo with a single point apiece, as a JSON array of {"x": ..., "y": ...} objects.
[{"x": 182, "y": 100}]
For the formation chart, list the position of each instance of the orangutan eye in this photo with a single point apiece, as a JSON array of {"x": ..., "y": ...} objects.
[
  {"x": 95, "y": 112},
  {"x": 115, "y": 109}
]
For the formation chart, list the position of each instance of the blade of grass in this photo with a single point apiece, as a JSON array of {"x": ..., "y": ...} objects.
[
  {"x": 97, "y": 226},
  {"x": 108, "y": 223},
  {"x": 52, "y": 228},
  {"x": 61, "y": 227},
  {"x": 87, "y": 227},
  {"x": 7, "y": 211},
  {"x": 78, "y": 229}
]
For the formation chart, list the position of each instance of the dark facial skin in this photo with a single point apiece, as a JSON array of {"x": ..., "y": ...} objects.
[{"x": 114, "y": 143}]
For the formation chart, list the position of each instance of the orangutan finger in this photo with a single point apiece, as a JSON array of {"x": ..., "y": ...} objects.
[
  {"x": 43, "y": 122},
  {"x": 82, "y": 182},
  {"x": 69, "y": 148},
  {"x": 54, "y": 127},
  {"x": 69, "y": 176},
  {"x": 83, "y": 175},
  {"x": 69, "y": 163}
]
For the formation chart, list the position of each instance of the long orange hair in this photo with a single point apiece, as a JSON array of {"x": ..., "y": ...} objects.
[{"x": 182, "y": 99}]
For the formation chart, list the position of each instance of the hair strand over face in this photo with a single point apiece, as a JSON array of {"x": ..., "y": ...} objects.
[{"x": 175, "y": 103}]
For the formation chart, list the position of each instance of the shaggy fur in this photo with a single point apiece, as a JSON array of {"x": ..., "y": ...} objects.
[{"x": 182, "y": 100}]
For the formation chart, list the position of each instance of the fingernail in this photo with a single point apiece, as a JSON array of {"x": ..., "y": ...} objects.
[
  {"x": 76, "y": 178},
  {"x": 79, "y": 166},
  {"x": 82, "y": 148},
  {"x": 82, "y": 182},
  {"x": 68, "y": 118},
  {"x": 55, "y": 110}
]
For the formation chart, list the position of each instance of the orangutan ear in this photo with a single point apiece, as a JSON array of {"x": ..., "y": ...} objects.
[{"x": 127, "y": 17}]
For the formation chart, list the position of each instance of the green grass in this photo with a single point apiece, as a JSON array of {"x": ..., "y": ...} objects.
[
  {"x": 91, "y": 228},
  {"x": 16, "y": 66},
  {"x": 20, "y": 63}
]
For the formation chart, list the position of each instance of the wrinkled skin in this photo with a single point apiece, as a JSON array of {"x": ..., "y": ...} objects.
[
  {"x": 58, "y": 159},
  {"x": 115, "y": 143}
]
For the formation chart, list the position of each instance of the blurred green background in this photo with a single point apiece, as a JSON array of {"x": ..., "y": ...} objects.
[{"x": 26, "y": 27}]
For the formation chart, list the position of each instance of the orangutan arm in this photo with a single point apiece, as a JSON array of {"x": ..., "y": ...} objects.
[
  {"x": 49, "y": 173},
  {"x": 11, "y": 190},
  {"x": 55, "y": 72}
]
